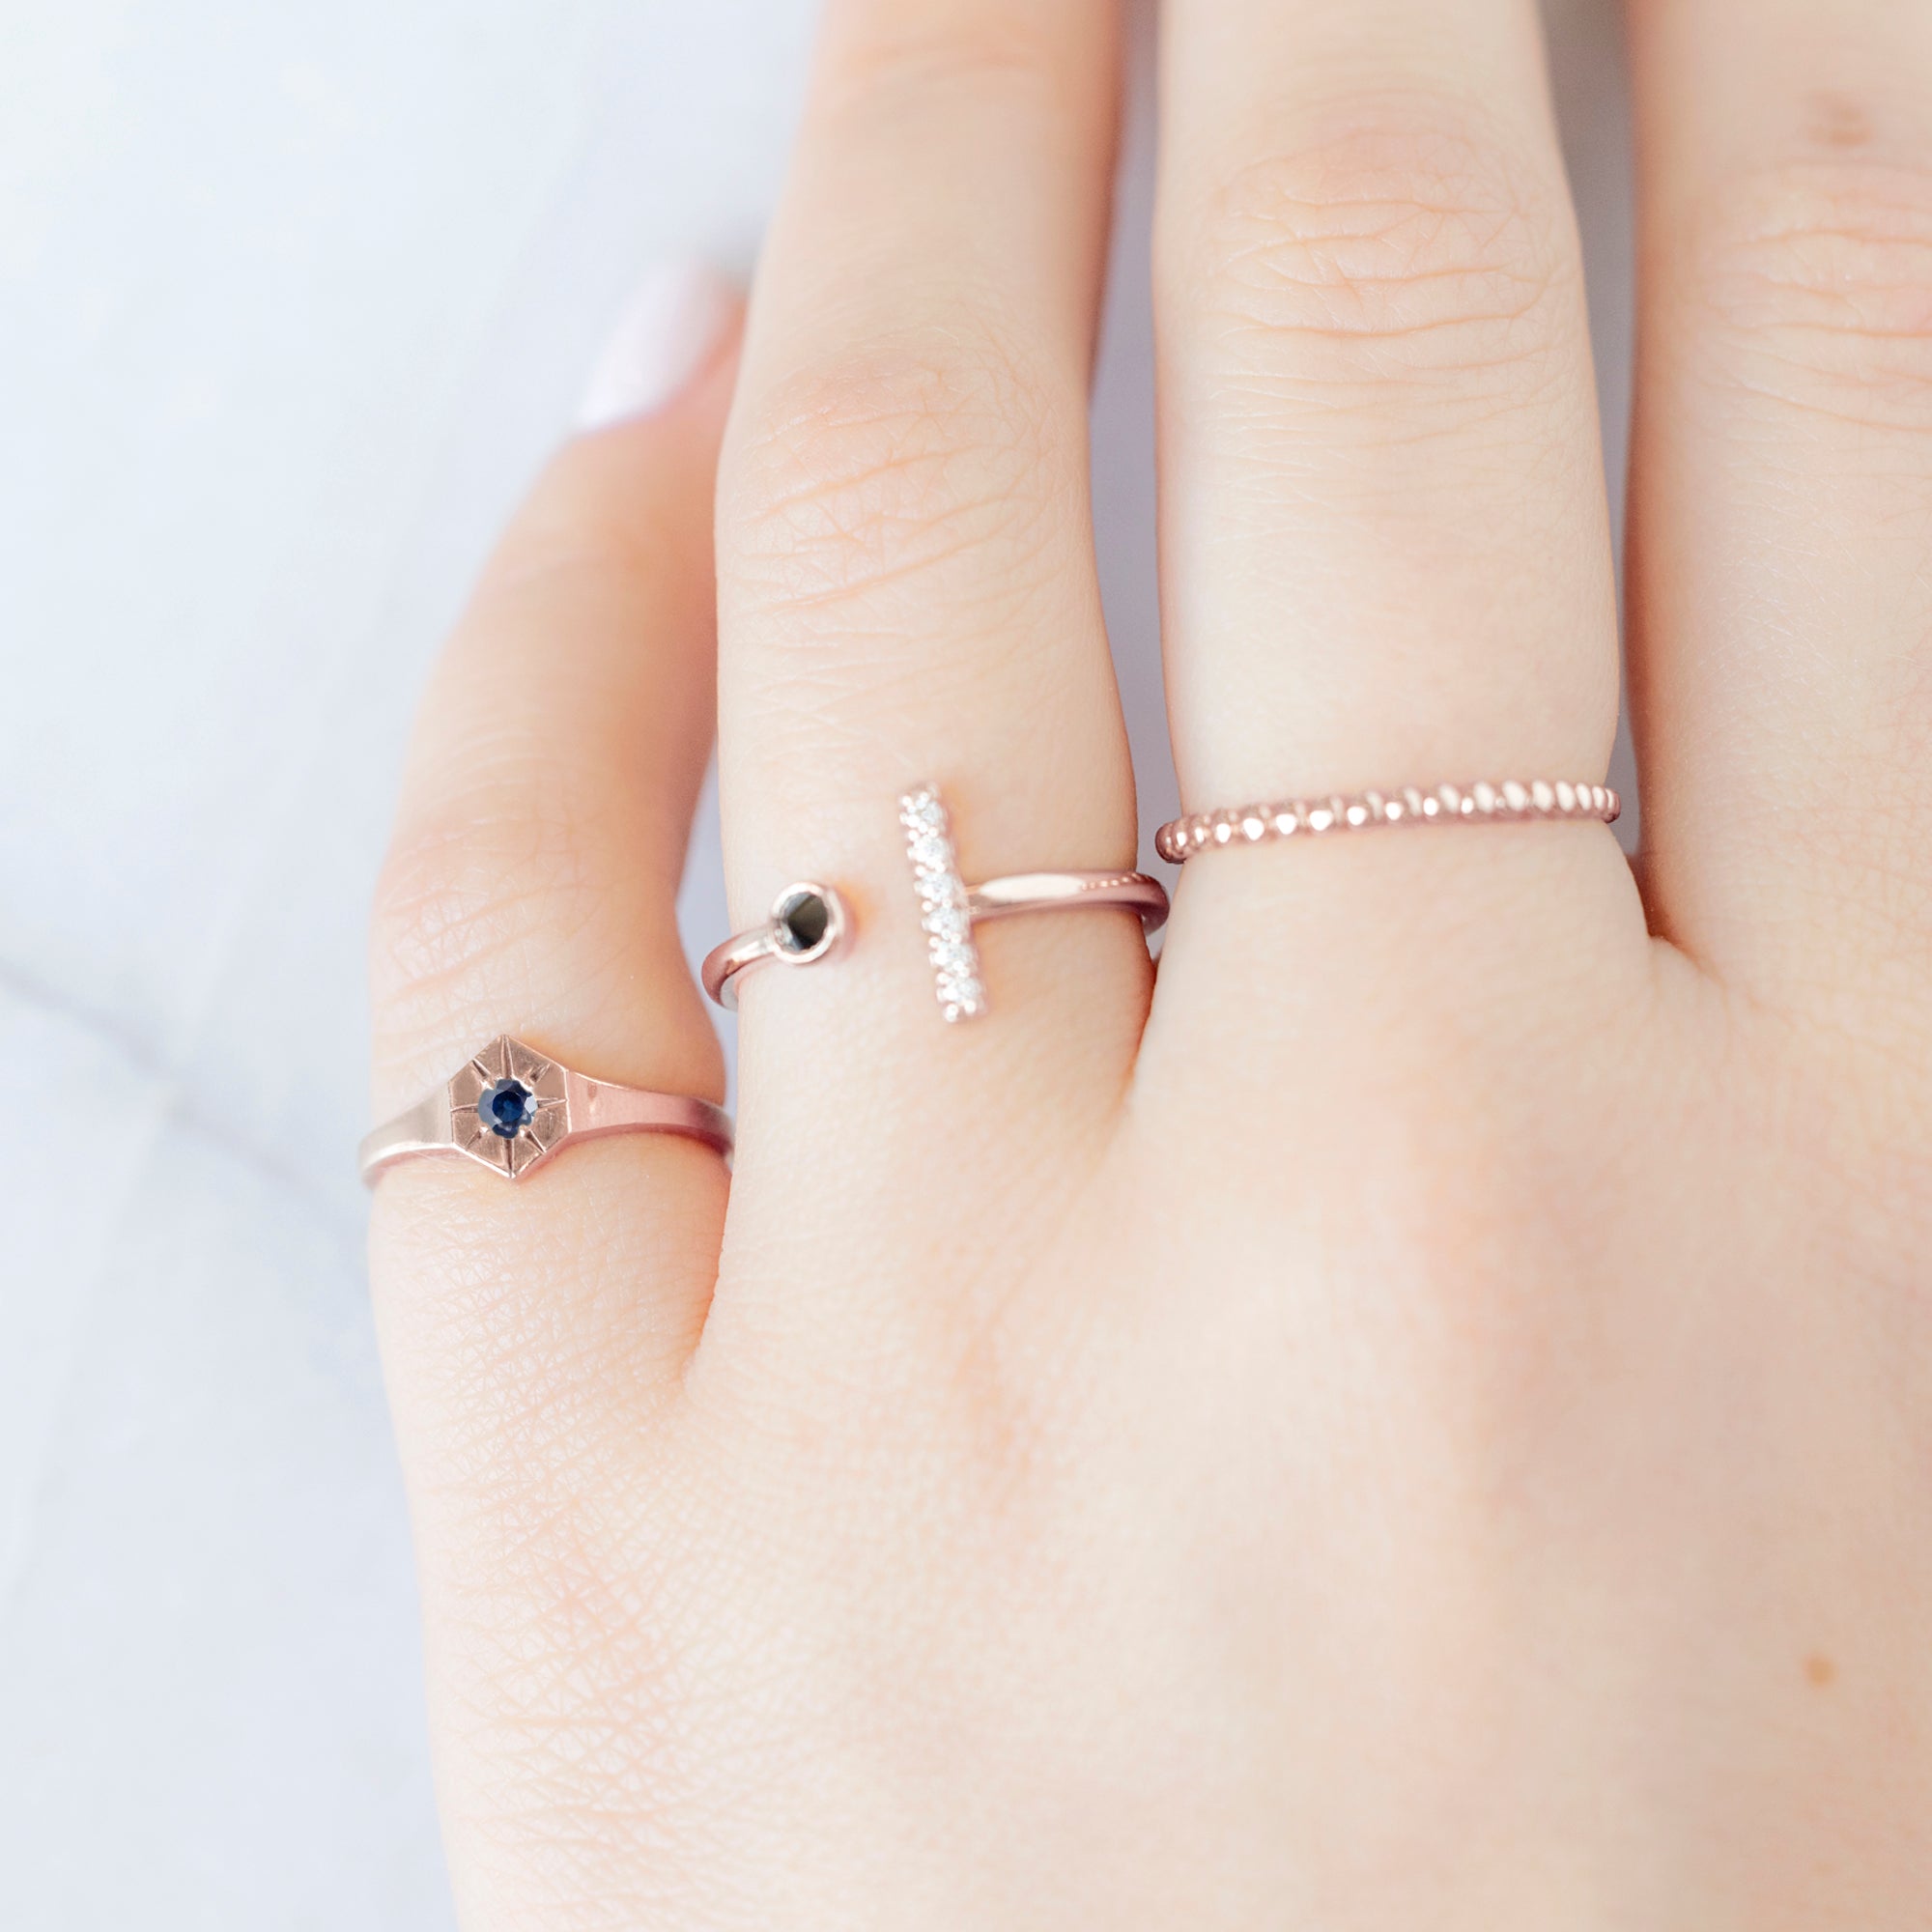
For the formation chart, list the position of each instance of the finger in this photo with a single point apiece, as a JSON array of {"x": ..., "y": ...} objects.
[
  {"x": 907, "y": 581},
  {"x": 908, "y": 593},
  {"x": 1384, "y": 541},
  {"x": 532, "y": 890},
  {"x": 1781, "y": 501}
]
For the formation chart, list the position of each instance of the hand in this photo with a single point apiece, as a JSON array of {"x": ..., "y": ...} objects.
[{"x": 1424, "y": 1420}]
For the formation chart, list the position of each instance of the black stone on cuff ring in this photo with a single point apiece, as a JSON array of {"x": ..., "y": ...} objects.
[{"x": 807, "y": 923}]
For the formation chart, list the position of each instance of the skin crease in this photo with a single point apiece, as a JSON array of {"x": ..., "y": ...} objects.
[{"x": 1422, "y": 1419}]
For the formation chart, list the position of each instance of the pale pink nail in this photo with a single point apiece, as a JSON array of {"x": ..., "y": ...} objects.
[{"x": 666, "y": 333}]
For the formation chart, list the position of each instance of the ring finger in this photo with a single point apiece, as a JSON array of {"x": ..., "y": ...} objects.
[{"x": 908, "y": 593}]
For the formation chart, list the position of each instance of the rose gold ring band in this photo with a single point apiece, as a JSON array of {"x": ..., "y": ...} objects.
[
  {"x": 809, "y": 922},
  {"x": 511, "y": 1107},
  {"x": 1360, "y": 811}
]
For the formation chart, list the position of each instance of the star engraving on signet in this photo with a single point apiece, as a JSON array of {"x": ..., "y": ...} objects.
[{"x": 506, "y": 1107}]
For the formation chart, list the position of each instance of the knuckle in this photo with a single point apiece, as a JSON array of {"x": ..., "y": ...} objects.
[
  {"x": 1000, "y": 48},
  {"x": 473, "y": 895},
  {"x": 1817, "y": 276},
  {"x": 892, "y": 471},
  {"x": 1409, "y": 242}
]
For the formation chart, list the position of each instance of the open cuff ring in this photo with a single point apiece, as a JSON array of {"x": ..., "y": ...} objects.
[
  {"x": 511, "y": 1107},
  {"x": 810, "y": 922}
]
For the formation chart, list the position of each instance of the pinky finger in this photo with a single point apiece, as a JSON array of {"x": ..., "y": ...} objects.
[{"x": 532, "y": 890}]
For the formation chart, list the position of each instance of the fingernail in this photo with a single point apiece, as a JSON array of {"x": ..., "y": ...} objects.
[{"x": 666, "y": 333}]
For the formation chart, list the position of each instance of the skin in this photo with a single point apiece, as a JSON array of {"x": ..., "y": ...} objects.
[{"x": 1424, "y": 1420}]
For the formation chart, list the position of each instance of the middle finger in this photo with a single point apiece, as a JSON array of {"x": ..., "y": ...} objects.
[{"x": 1385, "y": 539}]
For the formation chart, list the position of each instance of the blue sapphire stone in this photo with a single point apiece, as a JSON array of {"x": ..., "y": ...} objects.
[{"x": 507, "y": 1108}]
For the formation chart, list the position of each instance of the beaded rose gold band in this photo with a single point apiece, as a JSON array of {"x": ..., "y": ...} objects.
[{"x": 1252, "y": 824}]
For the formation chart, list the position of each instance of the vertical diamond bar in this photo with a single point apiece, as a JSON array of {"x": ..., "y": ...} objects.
[{"x": 942, "y": 905}]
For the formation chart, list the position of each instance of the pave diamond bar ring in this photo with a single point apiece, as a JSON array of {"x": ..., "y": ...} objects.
[
  {"x": 511, "y": 1107},
  {"x": 1361, "y": 812},
  {"x": 810, "y": 922},
  {"x": 948, "y": 908}
]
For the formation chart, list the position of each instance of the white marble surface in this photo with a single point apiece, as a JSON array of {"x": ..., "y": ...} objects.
[{"x": 292, "y": 298}]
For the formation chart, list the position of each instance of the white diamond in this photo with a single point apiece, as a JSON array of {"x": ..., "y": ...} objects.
[{"x": 965, "y": 1002}]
